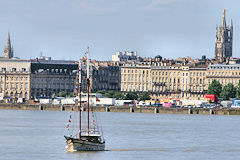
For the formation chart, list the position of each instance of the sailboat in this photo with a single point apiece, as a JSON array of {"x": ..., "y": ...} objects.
[{"x": 89, "y": 139}]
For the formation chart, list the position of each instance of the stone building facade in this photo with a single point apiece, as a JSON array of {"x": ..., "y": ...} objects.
[
  {"x": 15, "y": 77},
  {"x": 136, "y": 78},
  {"x": 165, "y": 81},
  {"x": 51, "y": 77},
  {"x": 30, "y": 79},
  {"x": 224, "y": 73},
  {"x": 104, "y": 75}
]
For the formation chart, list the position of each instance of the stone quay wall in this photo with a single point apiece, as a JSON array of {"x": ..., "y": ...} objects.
[{"x": 122, "y": 109}]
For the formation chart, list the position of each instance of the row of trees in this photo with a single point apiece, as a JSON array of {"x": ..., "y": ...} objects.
[
  {"x": 65, "y": 94},
  {"x": 226, "y": 92},
  {"x": 127, "y": 96},
  {"x": 114, "y": 94}
]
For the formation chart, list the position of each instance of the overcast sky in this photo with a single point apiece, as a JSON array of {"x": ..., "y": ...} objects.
[{"x": 63, "y": 29}]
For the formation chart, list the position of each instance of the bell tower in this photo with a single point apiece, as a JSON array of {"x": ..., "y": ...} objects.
[{"x": 223, "y": 41}]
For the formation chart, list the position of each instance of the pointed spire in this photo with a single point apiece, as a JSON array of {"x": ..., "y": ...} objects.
[
  {"x": 12, "y": 51},
  {"x": 9, "y": 41},
  {"x": 216, "y": 32},
  {"x": 8, "y": 53},
  {"x": 224, "y": 19}
]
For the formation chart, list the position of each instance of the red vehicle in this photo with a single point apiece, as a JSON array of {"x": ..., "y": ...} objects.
[{"x": 212, "y": 97}]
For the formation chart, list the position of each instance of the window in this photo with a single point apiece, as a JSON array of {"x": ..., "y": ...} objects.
[
  {"x": 24, "y": 69},
  {"x": 14, "y": 69}
]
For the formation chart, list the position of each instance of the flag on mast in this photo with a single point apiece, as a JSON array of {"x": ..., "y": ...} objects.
[
  {"x": 97, "y": 100},
  {"x": 87, "y": 56},
  {"x": 79, "y": 72}
]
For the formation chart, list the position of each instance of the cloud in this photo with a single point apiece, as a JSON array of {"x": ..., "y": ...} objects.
[
  {"x": 100, "y": 6},
  {"x": 155, "y": 4}
]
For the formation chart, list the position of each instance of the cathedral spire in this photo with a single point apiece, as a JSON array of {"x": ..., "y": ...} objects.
[
  {"x": 8, "y": 53},
  {"x": 216, "y": 32},
  {"x": 224, "y": 19},
  {"x": 12, "y": 51}
]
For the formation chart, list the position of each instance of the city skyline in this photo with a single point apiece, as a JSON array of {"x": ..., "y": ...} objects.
[{"x": 63, "y": 30}]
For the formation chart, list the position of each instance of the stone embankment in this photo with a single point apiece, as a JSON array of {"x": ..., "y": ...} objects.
[{"x": 122, "y": 109}]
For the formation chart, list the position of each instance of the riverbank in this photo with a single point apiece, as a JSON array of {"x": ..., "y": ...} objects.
[{"x": 123, "y": 109}]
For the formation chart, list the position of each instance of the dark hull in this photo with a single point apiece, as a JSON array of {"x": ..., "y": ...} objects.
[{"x": 74, "y": 144}]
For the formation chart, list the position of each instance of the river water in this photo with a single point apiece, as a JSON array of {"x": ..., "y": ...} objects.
[{"x": 38, "y": 135}]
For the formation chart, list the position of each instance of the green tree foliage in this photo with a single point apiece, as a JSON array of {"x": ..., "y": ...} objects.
[
  {"x": 62, "y": 94},
  {"x": 215, "y": 88},
  {"x": 144, "y": 96},
  {"x": 238, "y": 91},
  {"x": 118, "y": 95},
  {"x": 72, "y": 94},
  {"x": 111, "y": 94},
  {"x": 228, "y": 91},
  {"x": 101, "y": 92},
  {"x": 131, "y": 96},
  {"x": 127, "y": 96}
]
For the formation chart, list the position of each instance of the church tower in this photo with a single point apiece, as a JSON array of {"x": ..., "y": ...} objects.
[
  {"x": 8, "y": 51},
  {"x": 224, "y": 37}
]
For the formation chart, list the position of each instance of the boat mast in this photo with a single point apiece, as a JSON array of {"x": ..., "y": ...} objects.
[
  {"x": 87, "y": 54},
  {"x": 79, "y": 94}
]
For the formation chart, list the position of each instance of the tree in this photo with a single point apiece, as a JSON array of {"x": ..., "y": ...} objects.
[
  {"x": 144, "y": 96},
  {"x": 131, "y": 96},
  {"x": 228, "y": 91},
  {"x": 238, "y": 91},
  {"x": 72, "y": 94},
  {"x": 215, "y": 88},
  {"x": 62, "y": 94},
  {"x": 118, "y": 95},
  {"x": 100, "y": 92},
  {"x": 109, "y": 94}
]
